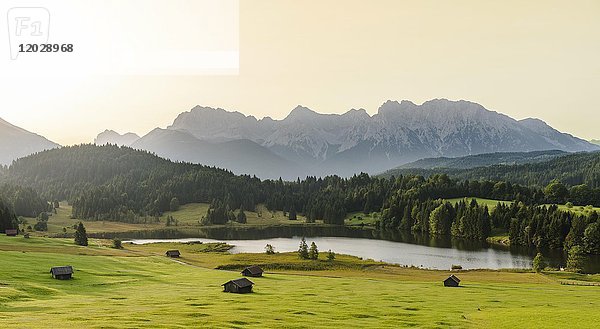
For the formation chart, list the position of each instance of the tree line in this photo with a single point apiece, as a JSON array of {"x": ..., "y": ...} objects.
[
  {"x": 119, "y": 183},
  {"x": 8, "y": 219},
  {"x": 578, "y": 173},
  {"x": 23, "y": 201}
]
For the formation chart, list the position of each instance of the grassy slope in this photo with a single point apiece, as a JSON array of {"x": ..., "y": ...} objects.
[
  {"x": 138, "y": 289},
  {"x": 580, "y": 210},
  {"x": 488, "y": 202},
  {"x": 62, "y": 219},
  {"x": 188, "y": 215}
]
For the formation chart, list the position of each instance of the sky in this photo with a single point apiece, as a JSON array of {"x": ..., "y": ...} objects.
[{"x": 137, "y": 66}]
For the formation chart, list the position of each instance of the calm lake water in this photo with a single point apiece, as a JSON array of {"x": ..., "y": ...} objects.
[{"x": 381, "y": 250}]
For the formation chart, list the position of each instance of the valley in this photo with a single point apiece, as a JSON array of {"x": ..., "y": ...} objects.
[
  {"x": 138, "y": 286},
  {"x": 285, "y": 164}
]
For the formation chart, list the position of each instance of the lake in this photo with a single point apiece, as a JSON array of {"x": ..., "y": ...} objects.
[{"x": 382, "y": 250}]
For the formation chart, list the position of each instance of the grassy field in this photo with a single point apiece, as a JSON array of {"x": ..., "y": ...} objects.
[
  {"x": 488, "y": 202},
  {"x": 360, "y": 218},
  {"x": 187, "y": 216},
  {"x": 139, "y": 288},
  {"x": 580, "y": 210},
  {"x": 492, "y": 204},
  {"x": 190, "y": 214},
  {"x": 62, "y": 221}
]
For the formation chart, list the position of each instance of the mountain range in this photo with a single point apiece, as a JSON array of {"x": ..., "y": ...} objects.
[
  {"x": 309, "y": 143},
  {"x": 17, "y": 142}
]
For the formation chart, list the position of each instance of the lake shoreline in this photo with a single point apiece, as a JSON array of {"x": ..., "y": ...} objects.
[{"x": 399, "y": 253}]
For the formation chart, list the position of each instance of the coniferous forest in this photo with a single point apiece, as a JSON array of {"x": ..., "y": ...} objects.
[{"x": 122, "y": 184}]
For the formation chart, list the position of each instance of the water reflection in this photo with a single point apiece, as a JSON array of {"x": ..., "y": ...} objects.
[
  {"x": 398, "y": 247},
  {"x": 426, "y": 256}
]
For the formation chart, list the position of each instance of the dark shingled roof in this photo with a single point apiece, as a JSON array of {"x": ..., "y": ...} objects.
[
  {"x": 173, "y": 252},
  {"x": 241, "y": 283},
  {"x": 254, "y": 270},
  {"x": 454, "y": 277},
  {"x": 61, "y": 270}
]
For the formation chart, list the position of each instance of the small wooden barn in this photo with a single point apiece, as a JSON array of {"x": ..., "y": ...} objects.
[
  {"x": 11, "y": 232},
  {"x": 62, "y": 272},
  {"x": 173, "y": 253},
  {"x": 253, "y": 271},
  {"x": 238, "y": 286},
  {"x": 452, "y": 281}
]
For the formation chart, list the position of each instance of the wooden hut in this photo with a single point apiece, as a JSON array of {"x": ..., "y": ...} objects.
[
  {"x": 238, "y": 286},
  {"x": 253, "y": 271},
  {"x": 452, "y": 281},
  {"x": 173, "y": 253},
  {"x": 11, "y": 232},
  {"x": 62, "y": 272}
]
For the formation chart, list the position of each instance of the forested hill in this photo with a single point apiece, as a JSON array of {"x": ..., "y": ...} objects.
[
  {"x": 573, "y": 169},
  {"x": 112, "y": 181},
  {"x": 485, "y": 159},
  {"x": 121, "y": 184}
]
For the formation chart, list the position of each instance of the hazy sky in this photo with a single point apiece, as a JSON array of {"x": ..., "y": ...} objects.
[{"x": 522, "y": 58}]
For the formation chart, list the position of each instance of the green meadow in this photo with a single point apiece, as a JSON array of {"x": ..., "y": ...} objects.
[
  {"x": 490, "y": 203},
  {"x": 187, "y": 216},
  {"x": 576, "y": 209},
  {"x": 137, "y": 287}
]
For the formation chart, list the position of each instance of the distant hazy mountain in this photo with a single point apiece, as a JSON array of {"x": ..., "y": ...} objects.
[
  {"x": 113, "y": 137},
  {"x": 241, "y": 156},
  {"x": 16, "y": 142},
  {"x": 571, "y": 169},
  {"x": 484, "y": 160},
  {"x": 306, "y": 142}
]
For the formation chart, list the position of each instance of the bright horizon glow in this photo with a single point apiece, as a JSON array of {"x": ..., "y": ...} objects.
[{"x": 523, "y": 59}]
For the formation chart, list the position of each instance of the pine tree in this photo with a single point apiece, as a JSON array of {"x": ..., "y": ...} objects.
[
  {"x": 330, "y": 255},
  {"x": 293, "y": 215},
  {"x": 303, "y": 249},
  {"x": 269, "y": 250},
  {"x": 313, "y": 252},
  {"x": 174, "y": 204},
  {"x": 241, "y": 216},
  {"x": 81, "y": 235}
]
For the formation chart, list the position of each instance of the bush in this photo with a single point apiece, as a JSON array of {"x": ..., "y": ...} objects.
[
  {"x": 575, "y": 259},
  {"x": 117, "y": 244},
  {"x": 539, "y": 263},
  {"x": 456, "y": 267},
  {"x": 330, "y": 255},
  {"x": 41, "y": 226},
  {"x": 569, "y": 205}
]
